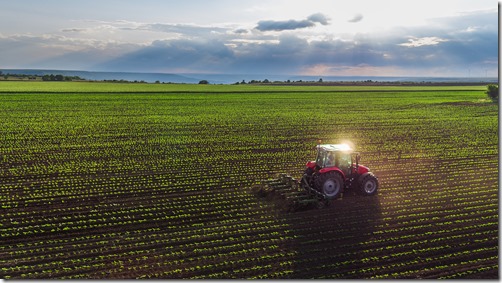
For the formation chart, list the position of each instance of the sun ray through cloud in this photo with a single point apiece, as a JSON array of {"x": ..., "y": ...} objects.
[{"x": 283, "y": 37}]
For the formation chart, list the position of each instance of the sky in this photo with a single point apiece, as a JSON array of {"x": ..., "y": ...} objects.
[{"x": 440, "y": 38}]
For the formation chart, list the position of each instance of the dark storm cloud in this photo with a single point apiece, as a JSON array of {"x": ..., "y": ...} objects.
[{"x": 292, "y": 24}]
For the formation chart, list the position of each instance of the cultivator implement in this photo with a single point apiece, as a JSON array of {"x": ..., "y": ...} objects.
[{"x": 290, "y": 194}]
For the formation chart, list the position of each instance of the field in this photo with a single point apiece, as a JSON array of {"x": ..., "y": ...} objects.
[{"x": 103, "y": 180}]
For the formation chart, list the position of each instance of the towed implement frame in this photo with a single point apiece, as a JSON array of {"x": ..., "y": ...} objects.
[{"x": 291, "y": 194}]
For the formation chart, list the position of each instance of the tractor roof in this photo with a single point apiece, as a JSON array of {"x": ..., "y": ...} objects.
[{"x": 335, "y": 147}]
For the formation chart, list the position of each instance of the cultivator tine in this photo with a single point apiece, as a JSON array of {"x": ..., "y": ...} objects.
[{"x": 289, "y": 193}]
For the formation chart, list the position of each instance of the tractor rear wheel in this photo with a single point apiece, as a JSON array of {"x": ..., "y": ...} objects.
[
  {"x": 330, "y": 184},
  {"x": 368, "y": 184}
]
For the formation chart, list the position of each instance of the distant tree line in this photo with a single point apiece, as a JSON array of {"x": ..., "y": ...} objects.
[
  {"x": 266, "y": 81},
  {"x": 59, "y": 78},
  {"x": 50, "y": 77},
  {"x": 367, "y": 83},
  {"x": 128, "y": 82}
]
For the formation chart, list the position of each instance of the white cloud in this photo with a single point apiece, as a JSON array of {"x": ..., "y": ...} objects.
[{"x": 424, "y": 41}]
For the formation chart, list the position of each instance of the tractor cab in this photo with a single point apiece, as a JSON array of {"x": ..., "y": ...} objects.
[{"x": 340, "y": 156}]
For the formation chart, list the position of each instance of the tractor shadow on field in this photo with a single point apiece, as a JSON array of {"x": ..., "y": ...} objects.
[{"x": 329, "y": 242}]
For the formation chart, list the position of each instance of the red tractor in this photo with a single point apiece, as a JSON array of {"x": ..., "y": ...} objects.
[{"x": 335, "y": 170}]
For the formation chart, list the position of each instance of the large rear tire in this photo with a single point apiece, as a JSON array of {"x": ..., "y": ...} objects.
[
  {"x": 368, "y": 184},
  {"x": 330, "y": 184}
]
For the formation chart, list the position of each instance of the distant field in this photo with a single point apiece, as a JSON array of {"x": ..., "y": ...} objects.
[
  {"x": 103, "y": 180},
  {"x": 35, "y": 87}
]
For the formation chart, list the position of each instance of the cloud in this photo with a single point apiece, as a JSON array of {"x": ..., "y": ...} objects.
[
  {"x": 424, "y": 41},
  {"x": 287, "y": 54},
  {"x": 173, "y": 56},
  {"x": 184, "y": 29},
  {"x": 450, "y": 44},
  {"x": 292, "y": 24},
  {"x": 241, "y": 31},
  {"x": 271, "y": 56},
  {"x": 74, "y": 30},
  {"x": 283, "y": 25},
  {"x": 319, "y": 18},
  {"x": 57, "y": 51},
  {"x": 356, "y": 18}
]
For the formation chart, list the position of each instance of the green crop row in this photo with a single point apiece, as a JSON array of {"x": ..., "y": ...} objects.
[{"x": 102, "y": 180}]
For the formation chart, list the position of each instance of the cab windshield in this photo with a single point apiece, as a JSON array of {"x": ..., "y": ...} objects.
[
  {"x": 340, "y": 159},
  {"x": 326, "y": 158}
]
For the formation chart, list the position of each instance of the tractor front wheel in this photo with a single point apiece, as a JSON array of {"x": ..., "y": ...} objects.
[
  {"x": 368, "y": 184},
  {"x": 330, "y": 184}
]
